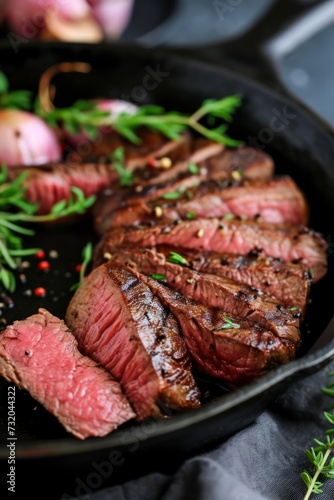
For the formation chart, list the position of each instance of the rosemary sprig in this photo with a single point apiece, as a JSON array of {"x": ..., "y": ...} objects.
[
  {"x": 85, "y": 115},
  {"x": 15, "y": 210},
  {"x": 87, "y": 254},
  {"x": 319, "y": 457},
  {"x": 17, "y": 99}
]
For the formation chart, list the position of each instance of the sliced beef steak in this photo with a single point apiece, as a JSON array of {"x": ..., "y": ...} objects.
[
  {"x": 210, "y": 163},
  {"x": 122, "y": 325},
  {"x": 230, "y": 348},
  {"x": 216, "y": 291},
  {"x": 287, "y": 242},
  {"x": 278, "y": 201},
  {"x": 40, "y": 354},
  {"x": 47, "y": 184},
  {"x": 286, "y": 281}
]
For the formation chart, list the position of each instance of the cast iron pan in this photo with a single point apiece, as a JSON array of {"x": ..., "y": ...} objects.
[{"x": 53, "y": 462}]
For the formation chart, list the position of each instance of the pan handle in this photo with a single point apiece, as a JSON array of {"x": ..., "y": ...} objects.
[{"x": 259, "y": 52}]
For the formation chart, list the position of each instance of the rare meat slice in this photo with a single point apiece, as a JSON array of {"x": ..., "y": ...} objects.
[
  {"x": 287, "y": 242},
  {"x": 40, "y": 354},
  {"x": 153, "y": 178},
  {"x": 121, "y": 324},
  {"x": 278, "y": 201},
  {"x": 207, "y": 160},
  {"x": 213, "y": 160},
  {"x": 51, "y": 183},
  {"x": 230, "y": 348},
  {"x": 286, "y": 281},
  {"x": 48, "y": 184},
  {"x": 215, "y": 291}
]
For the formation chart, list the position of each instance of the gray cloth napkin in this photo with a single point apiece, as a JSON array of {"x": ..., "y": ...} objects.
[{"x": 261, "y": 462}]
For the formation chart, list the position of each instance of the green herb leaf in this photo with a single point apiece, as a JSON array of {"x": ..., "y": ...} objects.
[
  {"x": 176, "y": 258},
  {"x": 125, "y": 176},
  {"x": 319, "y": 457},
  {"x": 159, "y": 277},
  {"x": 87, "y": 255},
  {"x": 190, "y": 215},
  {"x": 85, "y": 116},
  {"x": 172, "y": 195},
  {"x": 193, "y": 168},
  {"x": 228, "y": 324},
  {"x": 15, "y": 210},
  {"x": 4, "y": 84}
]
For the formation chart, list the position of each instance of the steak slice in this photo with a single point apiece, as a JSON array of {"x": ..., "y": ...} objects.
[
  {"x": 122, "y": 325},
  {"x": 286, "y": 281},
  {"x": 47, "y": 184},
  {"x": 230, "y": 348},
  {"x": 287, "y": 242},
  {"x": 213, "y": 162},
  {"x": 216, "y": 291},
  {"x": 277, "y": 201},
  {"x": 40, "y": 354}
]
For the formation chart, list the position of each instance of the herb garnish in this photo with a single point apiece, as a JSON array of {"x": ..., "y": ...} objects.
[
  {"x": 173, "y": 195},
  {"x": 86, "y": 116},
  {"x": 190, "y": 215},
  {"x": 176, "y": 258},
  {"x": 159, "y": 277},
  {"x": 14, "y": 207},
  {"x": 125, "y": 176},
  {"x": 87, "y": 254},
  {"x": 228, "y": 216},
  {"x": 17, "y": 99},
  {"x": 228, "y": 324},
  {"x": 319, "y": 456},
  {"x": 193, "y": 168}
]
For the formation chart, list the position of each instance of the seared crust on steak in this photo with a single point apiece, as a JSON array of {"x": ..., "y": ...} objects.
[
  {"x": 288, "y": 242},
  {"x": 278, "y": 201},
  {"x": 122, "y": 325},
  {"x": 236, "y": 354}
]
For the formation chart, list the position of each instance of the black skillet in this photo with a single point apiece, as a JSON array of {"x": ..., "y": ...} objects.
[{"x": 53, "y": 462}]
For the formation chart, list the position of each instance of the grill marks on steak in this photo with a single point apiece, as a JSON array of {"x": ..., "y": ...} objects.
[
  {"x": 216, "y": 164},
  {"x": 216, "y": 291},
  {"x": 277, "y": 201},
  {"x": 234, "y": 354},
  {"x": 122, "y": 325},
  {"x": 287, "y": 242},
  {"x": 40, "y": 354},
  {"x": 286, "y": 281}
]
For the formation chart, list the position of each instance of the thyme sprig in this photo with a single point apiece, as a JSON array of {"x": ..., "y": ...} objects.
[
  {"x": 319, "y": 456},
  {"x": 15, "y": 210},
  {"x": 85, "y": 116}
]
